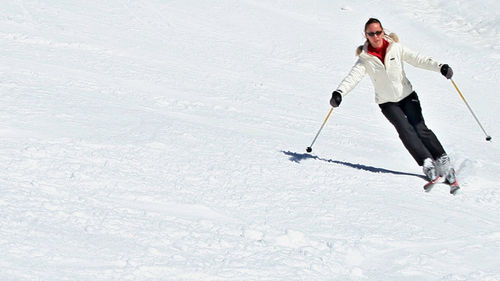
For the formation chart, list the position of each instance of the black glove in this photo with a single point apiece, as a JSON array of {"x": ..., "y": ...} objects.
[
  {"x": 336, "y": 99},
  {"x": 446, "y": 71}
]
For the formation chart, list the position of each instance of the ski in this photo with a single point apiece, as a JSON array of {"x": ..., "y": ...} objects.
[
  {"x": 454, "y": 187},
  {"x": 429, "y": 185}
]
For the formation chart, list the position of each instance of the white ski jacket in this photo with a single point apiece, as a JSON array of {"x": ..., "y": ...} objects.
[{"x": 389, "y": 80}]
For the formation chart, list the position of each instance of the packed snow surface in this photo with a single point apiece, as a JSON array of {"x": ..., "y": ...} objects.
[{"x": 165, "y": 140}]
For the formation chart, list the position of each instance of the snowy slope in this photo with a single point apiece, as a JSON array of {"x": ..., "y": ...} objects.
[{"x": 165, "y": 140}]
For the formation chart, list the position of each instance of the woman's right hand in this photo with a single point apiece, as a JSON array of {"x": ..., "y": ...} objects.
[
  {"x": 336, "y": 99},
  {"x": 446, "y": 71}
]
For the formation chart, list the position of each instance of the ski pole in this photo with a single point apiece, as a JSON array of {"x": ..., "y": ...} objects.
[
  {"x": 309, "y": 148},
  {"x": 488, "y": 137}
]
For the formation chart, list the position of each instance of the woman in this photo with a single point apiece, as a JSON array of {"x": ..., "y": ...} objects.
[{"x": 382, "y": 57}]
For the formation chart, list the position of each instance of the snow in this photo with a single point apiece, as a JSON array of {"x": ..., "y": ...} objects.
[{"x": 165, "y": 140}]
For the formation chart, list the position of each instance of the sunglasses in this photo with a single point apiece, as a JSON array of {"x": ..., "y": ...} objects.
[{"x": 371, "y": 34}]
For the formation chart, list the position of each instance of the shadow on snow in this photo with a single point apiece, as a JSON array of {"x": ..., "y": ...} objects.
[{"x": 298, "y": 157}]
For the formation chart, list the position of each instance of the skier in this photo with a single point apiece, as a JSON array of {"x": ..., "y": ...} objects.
[{"x": 382, "y": 58}]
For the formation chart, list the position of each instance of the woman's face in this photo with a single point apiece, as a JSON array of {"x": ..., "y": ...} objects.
[{"x": 374, "y": 34}]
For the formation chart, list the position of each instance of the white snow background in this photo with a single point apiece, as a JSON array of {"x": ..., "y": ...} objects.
[{"x": 165, "y": 140}]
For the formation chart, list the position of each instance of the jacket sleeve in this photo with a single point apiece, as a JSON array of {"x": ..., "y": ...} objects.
[
  {"x": 352, "y": 79},
  {"x": 418, "y": 60}
]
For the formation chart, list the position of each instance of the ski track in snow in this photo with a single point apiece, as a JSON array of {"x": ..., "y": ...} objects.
[{"x": 164, "y": 140}]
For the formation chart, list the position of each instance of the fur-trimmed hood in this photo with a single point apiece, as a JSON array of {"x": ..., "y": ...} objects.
[{"x": 391, "y": 37}]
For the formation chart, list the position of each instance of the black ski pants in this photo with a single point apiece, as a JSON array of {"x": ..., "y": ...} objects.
[{"x": 406, "y": 116}]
